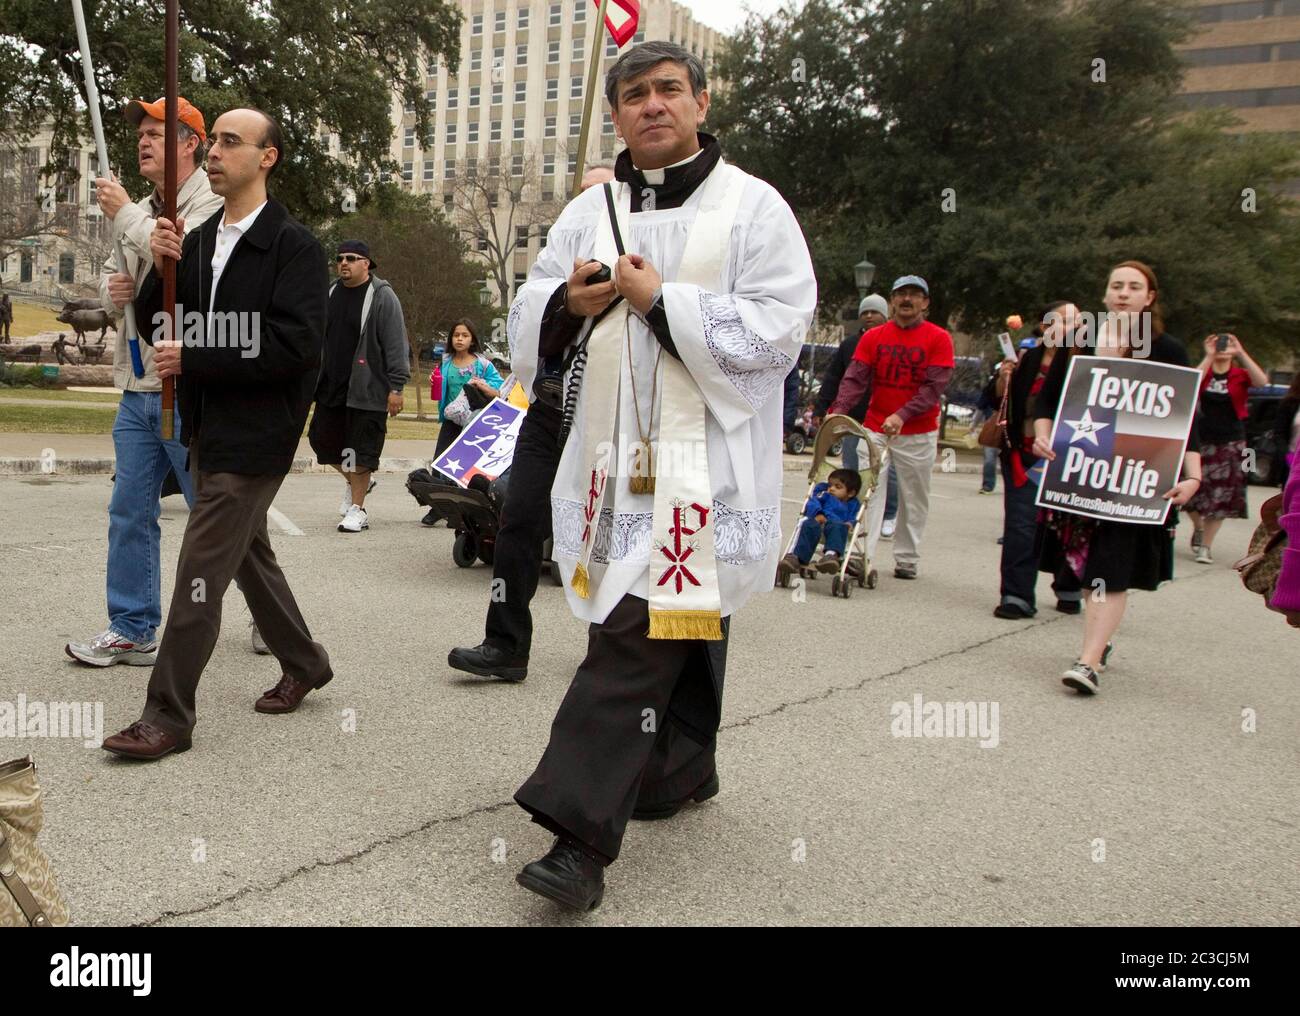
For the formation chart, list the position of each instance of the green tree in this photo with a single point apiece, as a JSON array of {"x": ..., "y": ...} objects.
[
  {"x": 1010, "y": 150},
  {"x": 422, "y": 256},
  {"x": 317, "y": 66}
]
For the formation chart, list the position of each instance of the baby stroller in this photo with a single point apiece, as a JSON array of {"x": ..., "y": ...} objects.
[{"x": 854, "y": 567}]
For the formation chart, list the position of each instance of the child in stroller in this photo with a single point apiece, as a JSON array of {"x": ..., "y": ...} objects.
[{"x": 829, "y": 514}]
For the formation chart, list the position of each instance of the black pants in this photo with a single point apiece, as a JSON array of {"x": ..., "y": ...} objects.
[
  {"x": 525, "y": 522},
  {"x": 1019, "y": 543},
  {"x": 638, "y": 726}
]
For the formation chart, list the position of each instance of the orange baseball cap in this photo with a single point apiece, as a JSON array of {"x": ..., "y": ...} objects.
[{"x": 137, "y": 109}]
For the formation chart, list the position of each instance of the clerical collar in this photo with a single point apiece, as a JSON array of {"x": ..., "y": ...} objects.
[{"x": 673, "y": 185}]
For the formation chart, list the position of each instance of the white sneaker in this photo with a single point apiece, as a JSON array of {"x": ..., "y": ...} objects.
[
  {"x": 346, "y": 503},
  {"x": 355, "y": 520},
  {"x": 109, "y": 647},
  {"x": 1203, "y": 555},
  {"x": 1082, "y": 678},
  {"x": 887, "y": 530},
  {"x": 259, "y": 644}
]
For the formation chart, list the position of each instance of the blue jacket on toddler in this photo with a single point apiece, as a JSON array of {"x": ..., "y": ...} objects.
[{"x": 823, "y": 502}]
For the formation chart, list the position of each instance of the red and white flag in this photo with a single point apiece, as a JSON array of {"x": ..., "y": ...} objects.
[{"x": 621, "y": 17}]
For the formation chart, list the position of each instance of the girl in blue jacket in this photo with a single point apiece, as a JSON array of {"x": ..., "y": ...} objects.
[{"x": 463, "y": 365}]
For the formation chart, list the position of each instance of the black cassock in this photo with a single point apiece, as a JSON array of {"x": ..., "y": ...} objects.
[{"x": 638, "y": 727}]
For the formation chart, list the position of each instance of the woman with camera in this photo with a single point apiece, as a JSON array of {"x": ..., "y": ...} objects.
[{"x": 1223, "y": 411}]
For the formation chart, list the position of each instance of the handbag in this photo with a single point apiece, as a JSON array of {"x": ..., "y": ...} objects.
[
  {"x": 29, "y": 897},
  {"x": 1260, "y": 568},
  {"x": 994, "y": 432},
  {"x": 466, "y": 405}
]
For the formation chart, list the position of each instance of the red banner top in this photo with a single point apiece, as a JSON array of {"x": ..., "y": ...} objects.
[{"x": 631, "y": 14}]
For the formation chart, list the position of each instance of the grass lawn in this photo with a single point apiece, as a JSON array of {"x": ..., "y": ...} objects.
[
  {"x": 58, "y": 395},
  {"x": 56, "y": 420},
  {"x": 33, "y": 318}
]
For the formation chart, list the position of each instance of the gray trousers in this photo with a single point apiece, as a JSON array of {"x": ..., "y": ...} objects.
[
  {"x": 226, "y": 539},
  {"x": 912, "y": 456}
]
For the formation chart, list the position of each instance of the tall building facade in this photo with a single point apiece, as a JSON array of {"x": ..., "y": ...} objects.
[
  {"x": 1246, "y": 57},
  {"x": 515, "y": 105}
]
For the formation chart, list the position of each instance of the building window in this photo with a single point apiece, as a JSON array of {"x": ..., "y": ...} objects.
[
  {"x": 67, "y": 268},
  {"x": 611, "y": 47},
  {"x": 474, "y": 91},
  {"x": 431, "y": 96},
  {"x": 519, "y": 128},
  {"x": 409, "y": 107},
  {"x": 579, "y": 13},
  {"x": 520, "y": 279},
  {"x": 409, "y": 140},
  {"x": 521, "y": 55},
  {"x": 639, "y": 38},
  {"x": 476, "y": 60},
  {"x": 552, "y": 89},
  {"x": 543, "y": 233},
  {"x": 449, "y": 170},
  {"x": 575, "y": 124},
  {"x": 521, "y": 91},
  {"x": 494, "y": 130},
  {"x": 453, "y": 98},
  {"x": 501, "y": 21},
  {"x": 1246, "y": 98},
  {"x": 1247, "y": 11},
  {"x": 1221, "y": 56},
  {"x": 575, "y": 88},
  {"x": 557, "y": 13},
  {"x": 498, "y": 90},
  {"x": 517, "y": 165},
  {"x": 579, "y": 50},
  {"x": 471, "y": 132},
  {"x": 609, "y": 125},
  {"x": 549, "y": 130},
  {"x": 448, "y": 203},
  {"x": 548, "y": 164},
  {"x": 408, "y": 171},
  {"x": 451, "y": 133},
  {"x": 428, "y": 171},
  {"x": 476, "y": 25},
  {"x": 523, "y": 17},
  {"x": 553, "y": 52}
]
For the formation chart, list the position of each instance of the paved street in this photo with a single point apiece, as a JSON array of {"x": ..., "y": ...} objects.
[{"x": 1148, "y": 804}]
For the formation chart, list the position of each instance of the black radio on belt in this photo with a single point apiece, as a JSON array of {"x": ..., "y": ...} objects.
[{"x": 549, "y": 386}]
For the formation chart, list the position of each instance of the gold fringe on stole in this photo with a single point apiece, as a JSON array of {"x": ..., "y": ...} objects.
[
  {"x": 686, "y": 624},
  {"x": 581, "y": 581}
]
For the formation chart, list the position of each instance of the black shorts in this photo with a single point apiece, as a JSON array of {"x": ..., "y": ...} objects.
[{"x": 336, "y": 430}]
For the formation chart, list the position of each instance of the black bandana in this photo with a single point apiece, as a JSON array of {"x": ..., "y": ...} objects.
[{"x": 679, "y": 183}]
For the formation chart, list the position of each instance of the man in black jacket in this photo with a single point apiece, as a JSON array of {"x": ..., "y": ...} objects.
[{"x": 251, "y": 289}]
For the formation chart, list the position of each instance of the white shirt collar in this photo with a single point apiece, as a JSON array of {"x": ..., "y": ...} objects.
[
  {"x": 244, "y": 224},
  {"x": 655, "y": 177}
]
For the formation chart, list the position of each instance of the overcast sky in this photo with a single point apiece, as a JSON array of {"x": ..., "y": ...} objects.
[{"x": 727, "y": 15}]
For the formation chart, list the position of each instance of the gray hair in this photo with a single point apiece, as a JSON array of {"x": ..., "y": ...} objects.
[
  {"x": 183, "y": 133},
  {"x": 639, "y": 59}
]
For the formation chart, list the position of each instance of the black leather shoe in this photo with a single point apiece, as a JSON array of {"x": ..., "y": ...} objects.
[
  {"x": 488, "y": 661},
  {"x": 1011, "y": 612},
  {"x": 1069, "y": 607},
  {"x": 566, "y": 875},
  {"x": 650, "y": 813}
]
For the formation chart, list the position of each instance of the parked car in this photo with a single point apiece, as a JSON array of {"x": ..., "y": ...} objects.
[
  {"x": 1261, "y": 406},
  {"x": 803, "y": 434}
]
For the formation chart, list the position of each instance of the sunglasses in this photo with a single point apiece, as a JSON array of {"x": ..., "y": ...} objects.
[{"x": 349, "y": 258}]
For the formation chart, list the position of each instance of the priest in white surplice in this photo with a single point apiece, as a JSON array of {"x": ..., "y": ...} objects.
[{"x": 666, "y": 505}]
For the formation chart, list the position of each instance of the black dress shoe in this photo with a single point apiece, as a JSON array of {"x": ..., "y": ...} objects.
[
  {"x": 566, "y": 875},
  {"x": 488, "y": 661},
  {"x": 1012, "y": 612},
  {"x": 1069, "y": 607},
  {"x": 431, "y": 518},
  {"x": 650, "y": 813}
]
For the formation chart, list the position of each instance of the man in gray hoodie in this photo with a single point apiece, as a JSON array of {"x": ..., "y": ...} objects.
[{"x": 364, "y": 369}]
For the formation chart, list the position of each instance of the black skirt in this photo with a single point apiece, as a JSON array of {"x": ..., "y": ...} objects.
[{"x": 1121, "y": 555}]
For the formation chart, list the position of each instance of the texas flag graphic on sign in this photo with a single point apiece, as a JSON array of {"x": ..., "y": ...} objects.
[{"x": 621, "y": 17}]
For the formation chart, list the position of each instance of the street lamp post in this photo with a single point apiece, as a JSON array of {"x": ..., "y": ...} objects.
[{"x": 863, "y": 274}]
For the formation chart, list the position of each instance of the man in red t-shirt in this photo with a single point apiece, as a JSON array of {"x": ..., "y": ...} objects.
[{"x": 905, "y": 364}]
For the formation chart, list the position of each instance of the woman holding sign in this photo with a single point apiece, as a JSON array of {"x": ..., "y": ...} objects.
[
  {"x": 464, "y": 369},
  {"x": 1110, "y": 556}
]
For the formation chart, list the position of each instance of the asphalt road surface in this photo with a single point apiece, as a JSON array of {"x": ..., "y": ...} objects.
[{"x": 1173, "y": 797}]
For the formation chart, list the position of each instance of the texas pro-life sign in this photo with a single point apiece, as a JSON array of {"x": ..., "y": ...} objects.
[
  {"x": 1120, "y": 433},
  {"x": 485, "y": 447}
]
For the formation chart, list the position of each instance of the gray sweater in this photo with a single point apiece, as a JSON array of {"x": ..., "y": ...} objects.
[{"x": 381, "y": 363}]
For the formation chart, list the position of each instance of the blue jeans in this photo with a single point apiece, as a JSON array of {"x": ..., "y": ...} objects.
[
  {"x": 143, "y": 459},
  {"x": 810, "y": 534},
  {"x": 990, "y": 469}
]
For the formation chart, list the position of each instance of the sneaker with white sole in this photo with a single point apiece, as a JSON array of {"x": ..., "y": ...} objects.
[
  {"x": 355, "y": 520},
  {"x": 887, "y": 529},
  {"x": 1203, "y": 555},
  {"x": 109, "y": 647},
  {"x": 1082, "y": 678},
  {"x": 259, "y": 644},
  {"x": 346, "y": 503}
]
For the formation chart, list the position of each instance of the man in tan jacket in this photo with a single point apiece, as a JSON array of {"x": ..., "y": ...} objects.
[{"x": 143, "y": 458}]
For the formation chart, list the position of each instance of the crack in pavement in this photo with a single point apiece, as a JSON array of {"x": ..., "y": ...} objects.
[{"x": 499, "y": 805}]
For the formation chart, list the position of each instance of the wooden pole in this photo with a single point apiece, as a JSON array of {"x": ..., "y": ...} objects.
[
  {"x": 171, "y": 93},
  {"x": 593, "y": 76}
]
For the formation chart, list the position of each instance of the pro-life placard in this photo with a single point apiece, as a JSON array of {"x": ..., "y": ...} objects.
[{"x": 1119, "y": 437}]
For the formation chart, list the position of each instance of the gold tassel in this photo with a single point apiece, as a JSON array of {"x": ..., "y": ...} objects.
[
  {"x": 580, "y": 581},
  {"x": 686, "y": 624}
]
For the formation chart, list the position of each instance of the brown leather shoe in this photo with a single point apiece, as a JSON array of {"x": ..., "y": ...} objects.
[
  {"x": 285, "y": 697},
  {"x": 146, "y": 742}
]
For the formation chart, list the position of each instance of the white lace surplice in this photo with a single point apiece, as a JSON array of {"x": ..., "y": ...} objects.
[{"x": 738, "y": 345}]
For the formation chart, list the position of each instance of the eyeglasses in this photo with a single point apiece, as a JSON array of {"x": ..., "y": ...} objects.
[
  {"x": 348, "y": 258},
  {"x": 232, "y": 141}
]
